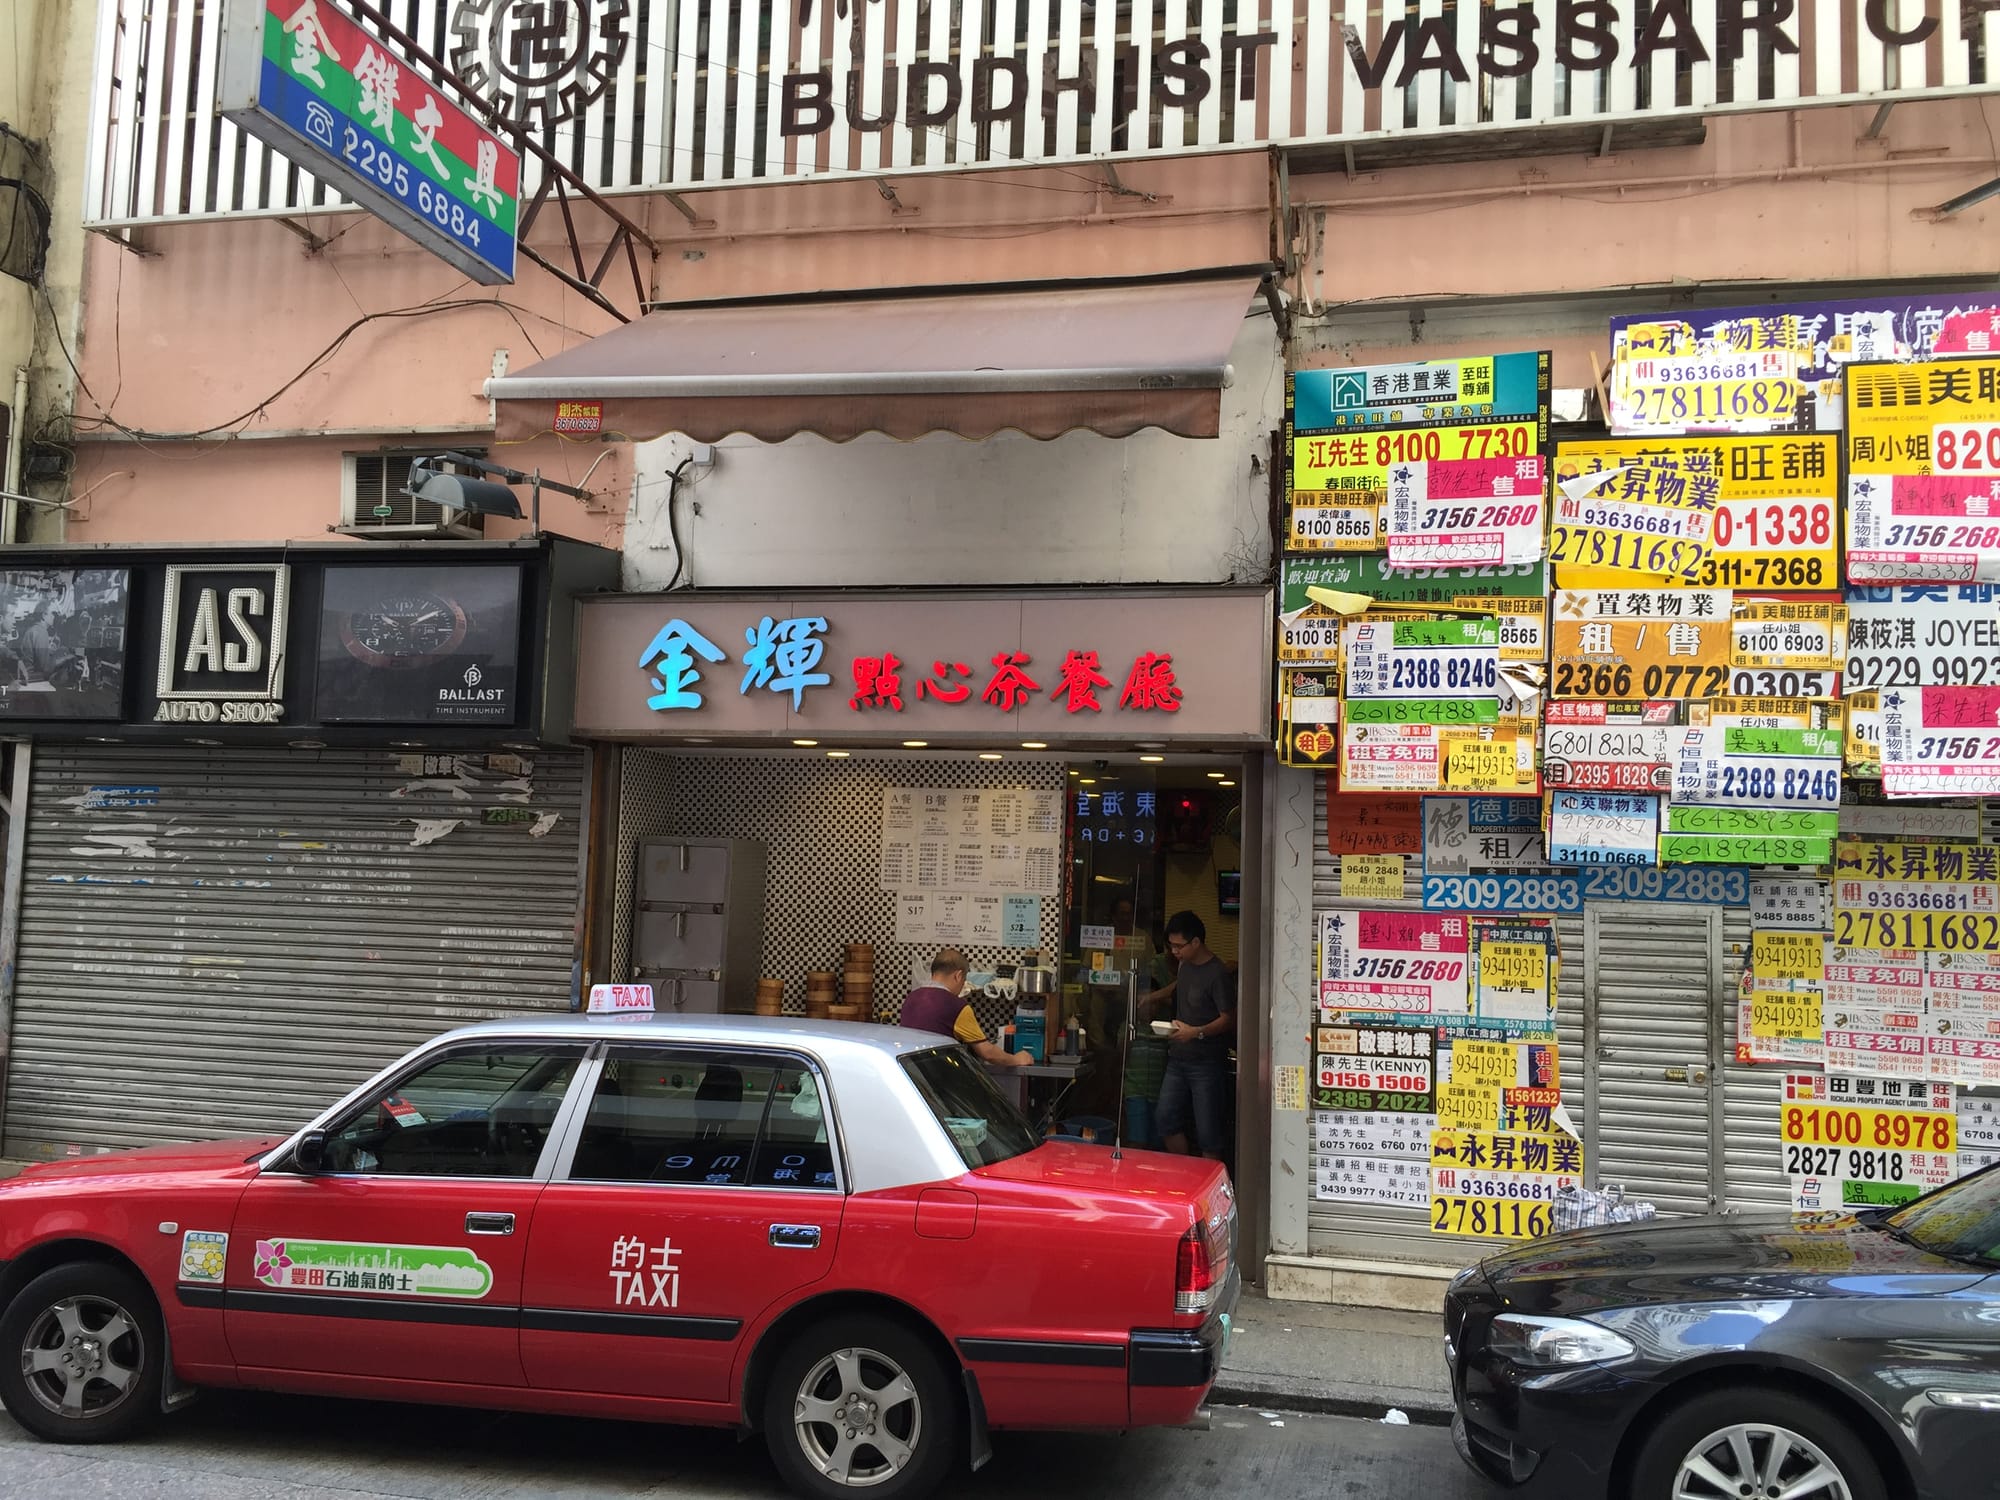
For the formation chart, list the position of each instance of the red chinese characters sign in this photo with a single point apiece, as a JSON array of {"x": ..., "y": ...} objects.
[
  {"x": 1150, "y": 687},
  {"x": 701, "y": 664}
]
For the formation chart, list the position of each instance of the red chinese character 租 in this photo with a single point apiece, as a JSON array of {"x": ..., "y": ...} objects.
[
  {"x": 878, "y": 682},
  {"x": 1010, "y": 684},
  {"x": 1081, "y": 678},
  {"x": 941, "y": 687},
  {"x": 1151, "y": 684}
]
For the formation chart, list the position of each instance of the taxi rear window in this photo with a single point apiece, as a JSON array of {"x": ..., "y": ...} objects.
[{"x": 982, "y": 1122}]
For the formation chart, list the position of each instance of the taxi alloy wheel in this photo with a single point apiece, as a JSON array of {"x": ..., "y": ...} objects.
[
  {"x": 861, "y": 1405},
  {"x": 81, "y": 1354},
  {"x": 858, "y": 1417}
]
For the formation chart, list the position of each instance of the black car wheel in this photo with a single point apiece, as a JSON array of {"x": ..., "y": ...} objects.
[
  {"x": 1751, "y": 1444},
  {"x": 861, "y": 1405},
  {"x": 82, "y": 1354}
]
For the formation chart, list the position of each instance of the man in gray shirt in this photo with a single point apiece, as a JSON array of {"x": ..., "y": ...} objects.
[{"x": 1195, "y": 1089}]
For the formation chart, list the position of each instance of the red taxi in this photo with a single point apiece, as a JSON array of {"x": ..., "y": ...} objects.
[{"x": 841, "y": 1236}]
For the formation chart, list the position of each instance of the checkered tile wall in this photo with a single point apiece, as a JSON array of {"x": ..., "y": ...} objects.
[{"x": 820, "y": 823}]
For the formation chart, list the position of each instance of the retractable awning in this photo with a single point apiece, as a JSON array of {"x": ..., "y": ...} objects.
[{"x": 1044, "y": 361}]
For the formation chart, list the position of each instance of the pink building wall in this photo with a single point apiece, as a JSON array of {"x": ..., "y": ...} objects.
[{"x": 218, "y": 316}]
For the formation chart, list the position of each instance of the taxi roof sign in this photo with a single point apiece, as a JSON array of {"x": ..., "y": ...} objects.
[{"x": 620, "y": 999}]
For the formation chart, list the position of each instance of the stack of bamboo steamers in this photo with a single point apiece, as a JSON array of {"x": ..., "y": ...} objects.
[
  {"x": 770, "y": 997},
  {"x": 846, "y": 995}
]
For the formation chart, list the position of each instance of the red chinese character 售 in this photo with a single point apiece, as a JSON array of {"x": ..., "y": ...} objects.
[
  {"x": 1151, "y": 684},
  {"x": 1010, "y": 684},
  {"x": 878, "y": 682},
  {"x": 941, "y": 687},
  {"x": 1081, "y": 678}
]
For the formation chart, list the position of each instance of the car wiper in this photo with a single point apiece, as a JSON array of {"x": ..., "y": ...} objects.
[{"x": 1907, "y": 1237}]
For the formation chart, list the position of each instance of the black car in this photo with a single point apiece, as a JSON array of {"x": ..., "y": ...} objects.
[{"x": 1745, "y": 1357}]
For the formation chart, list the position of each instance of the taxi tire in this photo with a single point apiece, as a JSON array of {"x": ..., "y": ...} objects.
[
  {"x": 940, "y": 1438},
  {"x": 1672, "y": 1437},
  {"x": 102, "y": 1283}
]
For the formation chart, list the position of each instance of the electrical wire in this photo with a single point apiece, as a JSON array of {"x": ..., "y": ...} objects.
[
  {"x": 673, "y": 525},
  {"x": 233, "y": 425}
]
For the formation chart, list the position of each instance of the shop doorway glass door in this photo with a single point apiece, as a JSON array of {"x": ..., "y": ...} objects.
[{"x": 1653, "y": 1040}]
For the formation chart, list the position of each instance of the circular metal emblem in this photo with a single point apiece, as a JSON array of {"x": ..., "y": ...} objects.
[{"x": 539, "y": 62}]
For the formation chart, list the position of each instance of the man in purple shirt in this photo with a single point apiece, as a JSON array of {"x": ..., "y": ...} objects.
[{"x": 940, "y": 1006}]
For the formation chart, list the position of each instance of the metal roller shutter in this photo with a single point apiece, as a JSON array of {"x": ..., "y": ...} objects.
[
  {"x": 1405, "y": 1233},
  {"x": 1651, "y": 986},
  {"x": 1570, "y": 1024},
  {"x": 221, "y": 941},
  {"x": 1374, "y": 1229},
  {"x": 1753, "y": 1166}
]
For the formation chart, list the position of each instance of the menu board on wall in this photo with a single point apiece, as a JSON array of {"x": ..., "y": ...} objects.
[{"x": 988, "y": 840}]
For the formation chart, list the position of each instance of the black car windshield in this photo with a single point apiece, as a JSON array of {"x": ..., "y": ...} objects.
[
  {"x": 1961, "y": 1221},
  {"x": 982, "y": 1122}
]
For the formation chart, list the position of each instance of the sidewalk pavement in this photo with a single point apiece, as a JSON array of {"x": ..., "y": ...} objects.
[{"x": 1350, "y": 1361}]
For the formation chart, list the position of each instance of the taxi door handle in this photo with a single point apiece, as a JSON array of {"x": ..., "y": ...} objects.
[
  {"x": 489, "y": 1223},
  {"x": 795, "y": 1236}
]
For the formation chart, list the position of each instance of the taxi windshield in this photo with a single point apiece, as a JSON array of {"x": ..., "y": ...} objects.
[
  {"x": 982, "y": 1122},
  {"x": 1961, "y": 1221}
]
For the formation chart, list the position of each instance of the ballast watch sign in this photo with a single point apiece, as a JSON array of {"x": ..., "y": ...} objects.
[
  {"x": 305, "y": 79},
  {"x": 222, "y": 643}
]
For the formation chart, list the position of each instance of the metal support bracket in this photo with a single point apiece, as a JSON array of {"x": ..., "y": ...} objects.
[
  {"x": 1604, "y": 143},
  {"x": 1880, "y": 123},
  {"x": 127, "y": 238},
  {"x": 314, "y": 243},
  {"x": 1117, "y": 185},
  {"x": 686, "y": 210},
  {"x": 557, "y": 181},
  {"x": 896, "y": 205},
  {"x": 1945, "y": 210}
]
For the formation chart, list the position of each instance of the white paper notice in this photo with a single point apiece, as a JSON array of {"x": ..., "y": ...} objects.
[
  {"x": 913, "y": 918},
  {"x": 984, "y": 919}
]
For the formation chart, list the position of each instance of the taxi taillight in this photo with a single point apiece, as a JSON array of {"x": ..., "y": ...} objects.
[{"x": 1197, "y": 1273}]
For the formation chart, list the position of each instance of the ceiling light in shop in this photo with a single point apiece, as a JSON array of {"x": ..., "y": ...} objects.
[
  {"x": 1152, "y": 760},
  {"x": 990, "y": 755},
  {"x": 1074, "y": 772},
  {"x": 836, "y": 755},
  {"x": 915, "y": 744},
  {"x": 805, "y": 744},
  {"x": 1225, "y": 783},
  {"x": 1034, "y": 744},
  {"x": 1217, "y": 775},
  {"x": 1090, "y": 781}
]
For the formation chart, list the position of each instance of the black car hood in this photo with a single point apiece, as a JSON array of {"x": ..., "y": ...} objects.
[{"x": 1726, "y": 1258}]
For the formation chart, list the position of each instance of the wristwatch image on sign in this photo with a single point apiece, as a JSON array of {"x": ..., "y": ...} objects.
[{"x": 406, "y": 630}]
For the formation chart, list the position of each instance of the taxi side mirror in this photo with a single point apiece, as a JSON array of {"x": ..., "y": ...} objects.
[{"x": 311, "y": 1154}]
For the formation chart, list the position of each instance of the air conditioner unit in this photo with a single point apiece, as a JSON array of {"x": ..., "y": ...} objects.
[{"x": 374, "y": 505}]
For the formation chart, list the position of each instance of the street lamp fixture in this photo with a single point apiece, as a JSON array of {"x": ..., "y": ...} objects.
[{"x": 457, "y": 488}]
